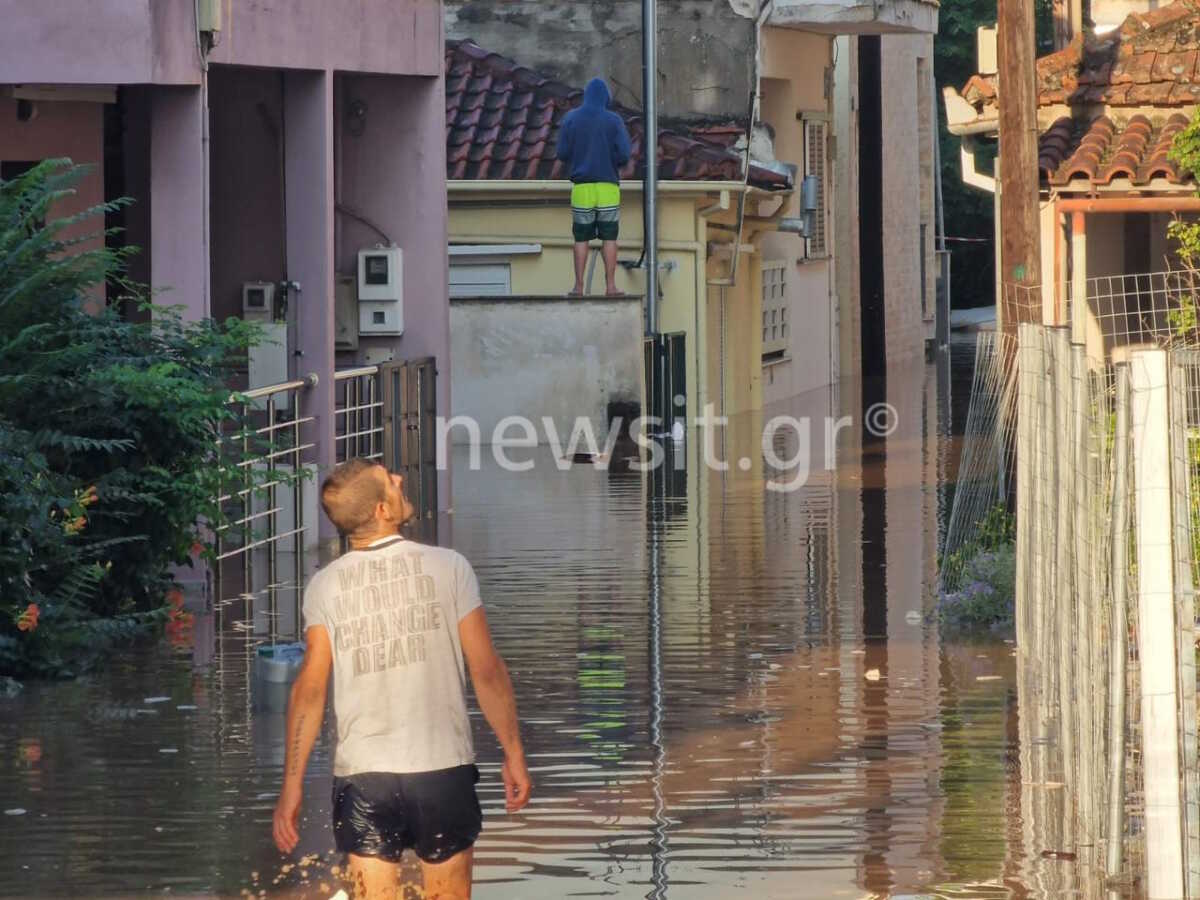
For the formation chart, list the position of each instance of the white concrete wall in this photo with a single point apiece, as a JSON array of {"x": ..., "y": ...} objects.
[
  {"x": 907, "y": 200},
  {"x": 543, "y": 357}
]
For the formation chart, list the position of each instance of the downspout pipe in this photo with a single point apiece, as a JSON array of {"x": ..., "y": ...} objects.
[
  {"x": 764, "y": 13},
  {"x": 650, "y": 152},
  {"x": 971, "y": 175}
]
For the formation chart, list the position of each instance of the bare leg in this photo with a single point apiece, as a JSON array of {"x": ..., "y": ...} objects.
[
  {"x": 610, "y": 267},
  {"x": 374, "y": 879},
  {"x": 449, "y": 880},
  {"x": 581, "y": 255}
]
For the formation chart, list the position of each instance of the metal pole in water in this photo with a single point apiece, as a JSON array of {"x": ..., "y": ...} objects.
[{"x": 650, "y": 152}]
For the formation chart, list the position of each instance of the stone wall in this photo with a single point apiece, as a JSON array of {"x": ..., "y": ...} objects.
[{"x": 706, "y": 47}]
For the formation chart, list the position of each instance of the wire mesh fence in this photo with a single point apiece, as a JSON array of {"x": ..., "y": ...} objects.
[
  {"x": 984, "y": 481},
  {"x": 1104, "y": 451},
  {"x": 1062, "y": 617}
]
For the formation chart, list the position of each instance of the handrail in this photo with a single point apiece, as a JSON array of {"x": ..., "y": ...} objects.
[
  {"x": 308, "y": 381},
  {"x": 343, "y": 374}
]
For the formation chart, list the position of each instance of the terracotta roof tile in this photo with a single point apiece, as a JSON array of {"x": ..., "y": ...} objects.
[
  {"x": 1099, "y": 151},
  {"x": 1143, "y": 63},
  {"x": 502, "y": 122}
]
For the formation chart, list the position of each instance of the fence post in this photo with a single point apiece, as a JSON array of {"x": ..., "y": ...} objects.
[
  {"x": 1060, "y": 621},
  {"x": 1029, "y": 599},
  {"x": 1156, "y": 623},
  {"x": 1119, "y": 633},
  {"x": 1179, "y": 362},
  {"x": 1084, "y": 786}
]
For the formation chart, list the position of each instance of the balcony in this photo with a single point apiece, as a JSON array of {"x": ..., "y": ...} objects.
[{"x": 857, "y": 16}]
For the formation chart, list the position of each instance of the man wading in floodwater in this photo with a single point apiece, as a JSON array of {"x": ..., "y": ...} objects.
[
  {"x": 394, "y": 620},
  {"x": 594, "y": 144}
]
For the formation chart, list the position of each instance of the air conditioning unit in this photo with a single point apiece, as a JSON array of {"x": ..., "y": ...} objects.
[{"x": 381, "y": 291}]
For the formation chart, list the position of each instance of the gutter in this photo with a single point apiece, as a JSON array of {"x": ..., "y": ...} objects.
[
  {"x": 970, "y": 172},
  {"x": 962, "y": 118},
  {"x": 1128, "y": 204},
  {"x": 532, "y": 186}
]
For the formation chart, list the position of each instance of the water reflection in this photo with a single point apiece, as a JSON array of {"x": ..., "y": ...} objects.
[{"x": 725, "y": 689}]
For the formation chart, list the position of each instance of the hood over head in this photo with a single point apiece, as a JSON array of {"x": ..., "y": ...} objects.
[{"x": 596, "y": 94}]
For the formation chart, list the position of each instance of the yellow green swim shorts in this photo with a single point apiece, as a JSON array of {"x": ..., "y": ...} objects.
[{"x": 596, "y": 211}]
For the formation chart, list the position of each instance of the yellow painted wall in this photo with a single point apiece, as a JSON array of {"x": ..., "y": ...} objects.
[
  {"x": 490, "y": 217},
  {"x": 793, "y": 86}
]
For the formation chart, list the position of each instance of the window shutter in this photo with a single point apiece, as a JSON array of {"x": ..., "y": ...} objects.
[
  {"x": 815, "y": 163},
  {"x": 480, "y": 280}
]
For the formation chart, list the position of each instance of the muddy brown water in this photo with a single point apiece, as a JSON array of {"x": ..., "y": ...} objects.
[{"x": 726, "y": 691}]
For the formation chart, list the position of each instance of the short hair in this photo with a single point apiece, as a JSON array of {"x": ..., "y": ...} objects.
[{"x": 351, "y": 493}]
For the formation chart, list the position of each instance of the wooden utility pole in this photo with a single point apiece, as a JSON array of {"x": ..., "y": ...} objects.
[{"x": 1020, "y": 233}]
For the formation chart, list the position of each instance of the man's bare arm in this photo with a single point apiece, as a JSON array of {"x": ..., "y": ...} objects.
[
  {"x": 306, "y": 709},
  {"x": 494, "y": 690}
]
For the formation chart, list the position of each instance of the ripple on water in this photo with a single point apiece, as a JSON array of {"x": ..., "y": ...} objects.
[{"x": 692, "y": 677}]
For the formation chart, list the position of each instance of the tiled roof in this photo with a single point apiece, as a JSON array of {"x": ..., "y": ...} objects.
[
  {"x": 1152, "y": 60},
  {"x": 502, "y": 122},
  {"x": 1104, "y": 149}
]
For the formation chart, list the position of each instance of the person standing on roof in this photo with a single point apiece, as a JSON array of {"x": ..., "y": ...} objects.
[{"x": 594, "y": 144}]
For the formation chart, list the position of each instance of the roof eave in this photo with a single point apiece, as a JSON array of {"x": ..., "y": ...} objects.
[{"x": 554, "y": 186}]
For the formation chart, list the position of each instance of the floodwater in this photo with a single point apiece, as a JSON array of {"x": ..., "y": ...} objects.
[{"x": 726, "y": 691}]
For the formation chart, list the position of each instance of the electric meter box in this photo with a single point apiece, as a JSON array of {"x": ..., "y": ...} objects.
[
  {"x": 258, "y": 301},
  {"x": 381, "y": 291}
]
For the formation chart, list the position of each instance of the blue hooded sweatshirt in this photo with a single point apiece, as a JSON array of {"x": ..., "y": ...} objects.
[{"x": 593, "y": 141}]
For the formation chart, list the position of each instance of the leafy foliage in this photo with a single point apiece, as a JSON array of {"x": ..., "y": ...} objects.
[
  {"x": 1184, "y": 235},
  {"x": 982, "y": 574},
  {"x": 107, "y": 436}
]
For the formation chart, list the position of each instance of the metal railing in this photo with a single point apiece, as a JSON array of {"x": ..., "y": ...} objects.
[
  {"x": 261, "y": 500},
  {"x": 267, "y": 479},
  {"x": 358, "y": 414}
]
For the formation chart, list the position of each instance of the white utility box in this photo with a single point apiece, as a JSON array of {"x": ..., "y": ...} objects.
[
  {"x": 258, "y": 301},
  {"x": 381, "y": 291},
  {"x": 268, "y": 362}
]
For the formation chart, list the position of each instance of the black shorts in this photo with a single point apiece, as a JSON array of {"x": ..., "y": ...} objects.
[{"x": 382, "y": 814}]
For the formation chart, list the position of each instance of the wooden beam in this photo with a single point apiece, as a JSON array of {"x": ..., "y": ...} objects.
[{"x": 1020, "y": 227}]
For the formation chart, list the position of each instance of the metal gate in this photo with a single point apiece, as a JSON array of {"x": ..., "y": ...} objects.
[
  {"x": 666, "y": 379},
  {"x": 410, "y": 437}
]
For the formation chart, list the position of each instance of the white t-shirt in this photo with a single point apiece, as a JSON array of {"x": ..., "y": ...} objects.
[{"x": 392, "y": 612}]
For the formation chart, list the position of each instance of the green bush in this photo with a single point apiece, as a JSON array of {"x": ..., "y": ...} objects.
[
  {"x": 980, "y": 577},
  {"x": 107, "y": 436}
]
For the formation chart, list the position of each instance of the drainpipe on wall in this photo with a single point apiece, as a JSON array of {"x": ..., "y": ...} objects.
[
  {"x": 763, "y": 14},
  {"x": 970, "y": 172},
  {"x": 650, "y": 152}
]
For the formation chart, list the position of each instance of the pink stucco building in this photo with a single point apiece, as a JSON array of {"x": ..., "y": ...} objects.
[{"x": 263, "y": 141}]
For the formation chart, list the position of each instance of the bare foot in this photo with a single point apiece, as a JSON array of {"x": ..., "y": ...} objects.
[{"x": 613, "y": 292}]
